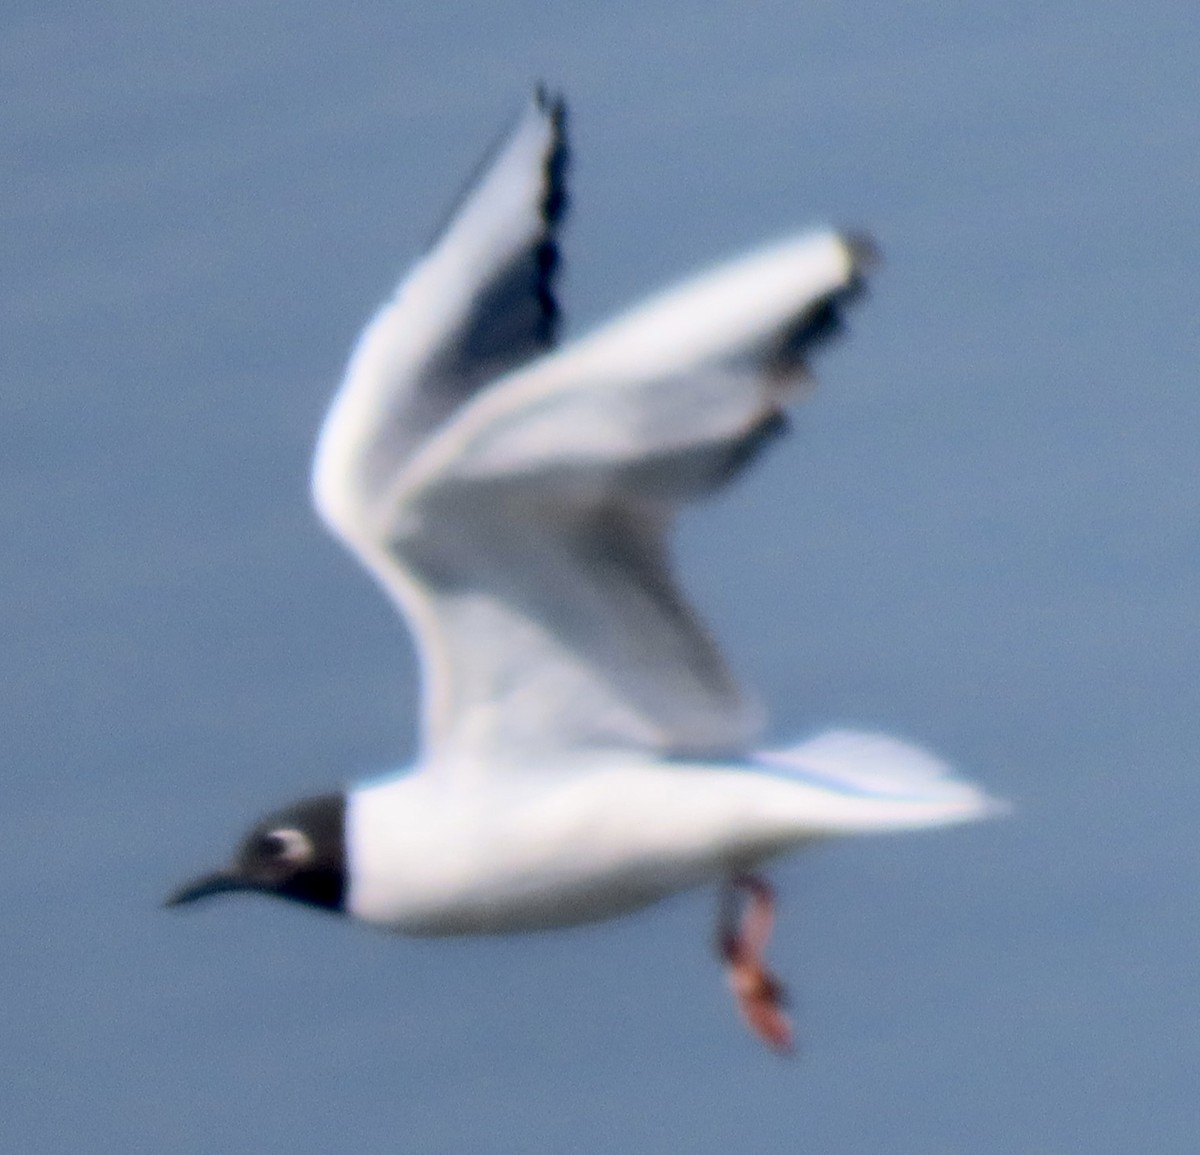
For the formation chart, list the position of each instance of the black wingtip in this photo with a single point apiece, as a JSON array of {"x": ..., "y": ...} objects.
[
  {"x": 553, "y": 208},
  {"x": 554, "y": 106},
  {"x": 548, "y": 100},
  {"x": 865, "y": 254},
  {"x": 825, "y": 319}
]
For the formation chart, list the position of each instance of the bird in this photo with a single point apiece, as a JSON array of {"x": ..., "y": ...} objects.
[{"x": 584, "y": 750}]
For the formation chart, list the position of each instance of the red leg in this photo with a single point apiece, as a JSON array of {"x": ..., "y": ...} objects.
[{"x": 743, "y": 929}]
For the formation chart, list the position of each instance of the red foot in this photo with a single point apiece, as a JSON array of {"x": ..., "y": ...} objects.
[{"x": 741, "y": 937}]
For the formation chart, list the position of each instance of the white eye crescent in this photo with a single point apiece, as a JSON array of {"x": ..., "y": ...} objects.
[{"x": 289, "y": 845}]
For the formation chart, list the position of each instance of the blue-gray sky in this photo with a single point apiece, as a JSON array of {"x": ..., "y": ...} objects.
[{"x": 984, "y": 534}]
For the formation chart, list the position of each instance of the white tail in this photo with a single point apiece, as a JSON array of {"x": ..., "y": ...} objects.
[{"x": 864, "y": 782}]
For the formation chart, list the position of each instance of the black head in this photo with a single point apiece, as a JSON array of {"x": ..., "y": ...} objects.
[{"x": 297, "y": 853}]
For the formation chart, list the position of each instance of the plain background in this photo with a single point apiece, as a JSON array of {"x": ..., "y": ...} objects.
[{"x": 984, "y": 534}]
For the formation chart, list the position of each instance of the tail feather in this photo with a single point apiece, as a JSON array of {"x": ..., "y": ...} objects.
[{"x": 864, "y": 782}]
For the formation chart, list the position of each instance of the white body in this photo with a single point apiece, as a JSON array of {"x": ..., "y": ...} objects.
[{"x": 554, "y": 848}]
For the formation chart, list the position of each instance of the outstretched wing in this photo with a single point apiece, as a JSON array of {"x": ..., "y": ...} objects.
[{"x": 523, "y": 529}]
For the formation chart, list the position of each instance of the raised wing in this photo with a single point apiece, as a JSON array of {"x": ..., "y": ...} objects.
[
  {"x": 523, "y": 529},
  {"x": 479, "y": 303}
]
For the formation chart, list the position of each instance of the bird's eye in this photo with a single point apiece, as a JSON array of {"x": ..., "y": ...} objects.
[{"x": 286, "y": 845}]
